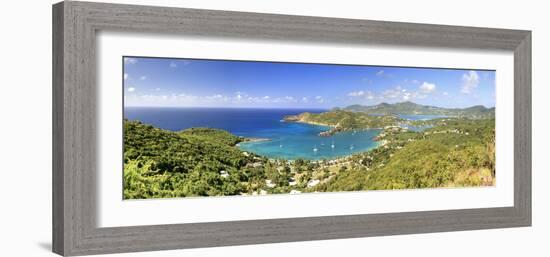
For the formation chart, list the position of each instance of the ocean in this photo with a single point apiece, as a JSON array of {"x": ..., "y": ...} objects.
[{"x": 287, "y": 140}]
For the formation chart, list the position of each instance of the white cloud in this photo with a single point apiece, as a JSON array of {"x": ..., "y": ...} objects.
[
  {"x": 427, "y": 87},
  {"x": 445, "y": 93},
  {"x": 238, "y": 99},
  {"x": 356, "y": 93},
  {"x": 128, "y": 60},
  {"x": 125, "y": 76},
  {"x": 392, "y": 93},
  {"x": 175, "y": 64},
  {"x": 131, "y": 89},
  {"x": 157, "y": 89},
  {"x": 290, "y": 98},
  {"x": 380, "y": 73},
  {"x": 470, "y": 81},
  {"x": 362, "y": 94},
  {"x": 143, "y": 78},
  {"x": 400, "y": 94}
]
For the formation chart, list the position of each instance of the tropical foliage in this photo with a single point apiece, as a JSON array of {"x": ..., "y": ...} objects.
[{"x": 452, "y": 152}]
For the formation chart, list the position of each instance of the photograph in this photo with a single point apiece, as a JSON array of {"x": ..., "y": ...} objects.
[{"x": 197, "y": 127}]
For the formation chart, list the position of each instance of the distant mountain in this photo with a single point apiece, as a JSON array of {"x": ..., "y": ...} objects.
[{"x": 475, "y": 112}]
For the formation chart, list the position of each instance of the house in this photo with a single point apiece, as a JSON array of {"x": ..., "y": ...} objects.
[
  {"x": 312, "y": 183},
  {"x": 269, "y": 183},
  {"x": 224, "y": 174}
]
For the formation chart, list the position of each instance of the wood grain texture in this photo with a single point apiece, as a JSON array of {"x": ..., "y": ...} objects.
[{"x": 75, "y": 25}]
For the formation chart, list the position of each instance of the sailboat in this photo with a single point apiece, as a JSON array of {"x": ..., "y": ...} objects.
[
  {"x": 315, "y": 148},
  {"x": 280, "y": 145},
  {"x": 351, "y": 147},
  {"x": 332, "y": 146}
]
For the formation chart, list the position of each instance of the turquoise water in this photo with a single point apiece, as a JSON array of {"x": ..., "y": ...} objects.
[
  {"x": 287, "y": 140},
  {"x": 297, "y": 140}
]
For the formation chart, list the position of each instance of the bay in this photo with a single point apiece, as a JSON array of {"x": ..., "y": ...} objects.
[{"x": 287, "y": 140}]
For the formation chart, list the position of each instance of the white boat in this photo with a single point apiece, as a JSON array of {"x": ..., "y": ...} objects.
[
  {"x": 351, "y": 147},
  {"x": 315, "y": 148},
  {"x": 332, "y": 144}
]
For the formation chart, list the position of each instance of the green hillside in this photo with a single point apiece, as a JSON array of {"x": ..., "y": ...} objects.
[
  {"x": 345, "y": 120},
  {"x": 475, "y": 112},
  {"x": 160, "y": 163},
  {"x": 455, "y": 152}
]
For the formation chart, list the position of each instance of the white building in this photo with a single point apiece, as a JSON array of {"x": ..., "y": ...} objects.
[
  {"x": 312, "y": 183},
  {"x": 269, "y": 183}
]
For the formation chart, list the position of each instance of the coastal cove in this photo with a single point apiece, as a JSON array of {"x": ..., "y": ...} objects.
[
  {"x": 204, "y": 127},
  {"x": 180, "y": 152},
  {"x": 270, "y": 136}
]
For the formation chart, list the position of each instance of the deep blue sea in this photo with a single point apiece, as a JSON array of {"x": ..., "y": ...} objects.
[{"x": 288, "y": 140}]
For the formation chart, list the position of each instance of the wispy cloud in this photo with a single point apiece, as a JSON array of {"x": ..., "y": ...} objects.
[
  {"x": 238, "y": 99},
  {"x": 427, "y": 88},
  {"x": 175, "y": 64},
  {"x": 143, "y": 78},
  {"x": 356, "y": 93},
  {"x": 131, "y": 89},
  {"x": 129, "y": 60},
  {"x": 470, "y": 81},
  {"x": 394, "y": 94},
  {"x": 320, "y": 99}
]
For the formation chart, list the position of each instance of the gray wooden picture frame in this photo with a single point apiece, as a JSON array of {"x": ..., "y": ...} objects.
[{"x": 75, "y": 25}]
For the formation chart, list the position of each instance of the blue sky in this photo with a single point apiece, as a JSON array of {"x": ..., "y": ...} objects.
[{"x": 216, "y": 83}]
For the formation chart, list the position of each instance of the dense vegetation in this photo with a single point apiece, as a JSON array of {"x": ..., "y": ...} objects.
[
  {"x": 474, "y": 112},
  {"x": 160, "y": 163},
  {"x": 453, "y": 152}
]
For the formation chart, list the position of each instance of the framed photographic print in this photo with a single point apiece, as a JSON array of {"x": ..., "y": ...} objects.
[{"x": 182, "y": 128}]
